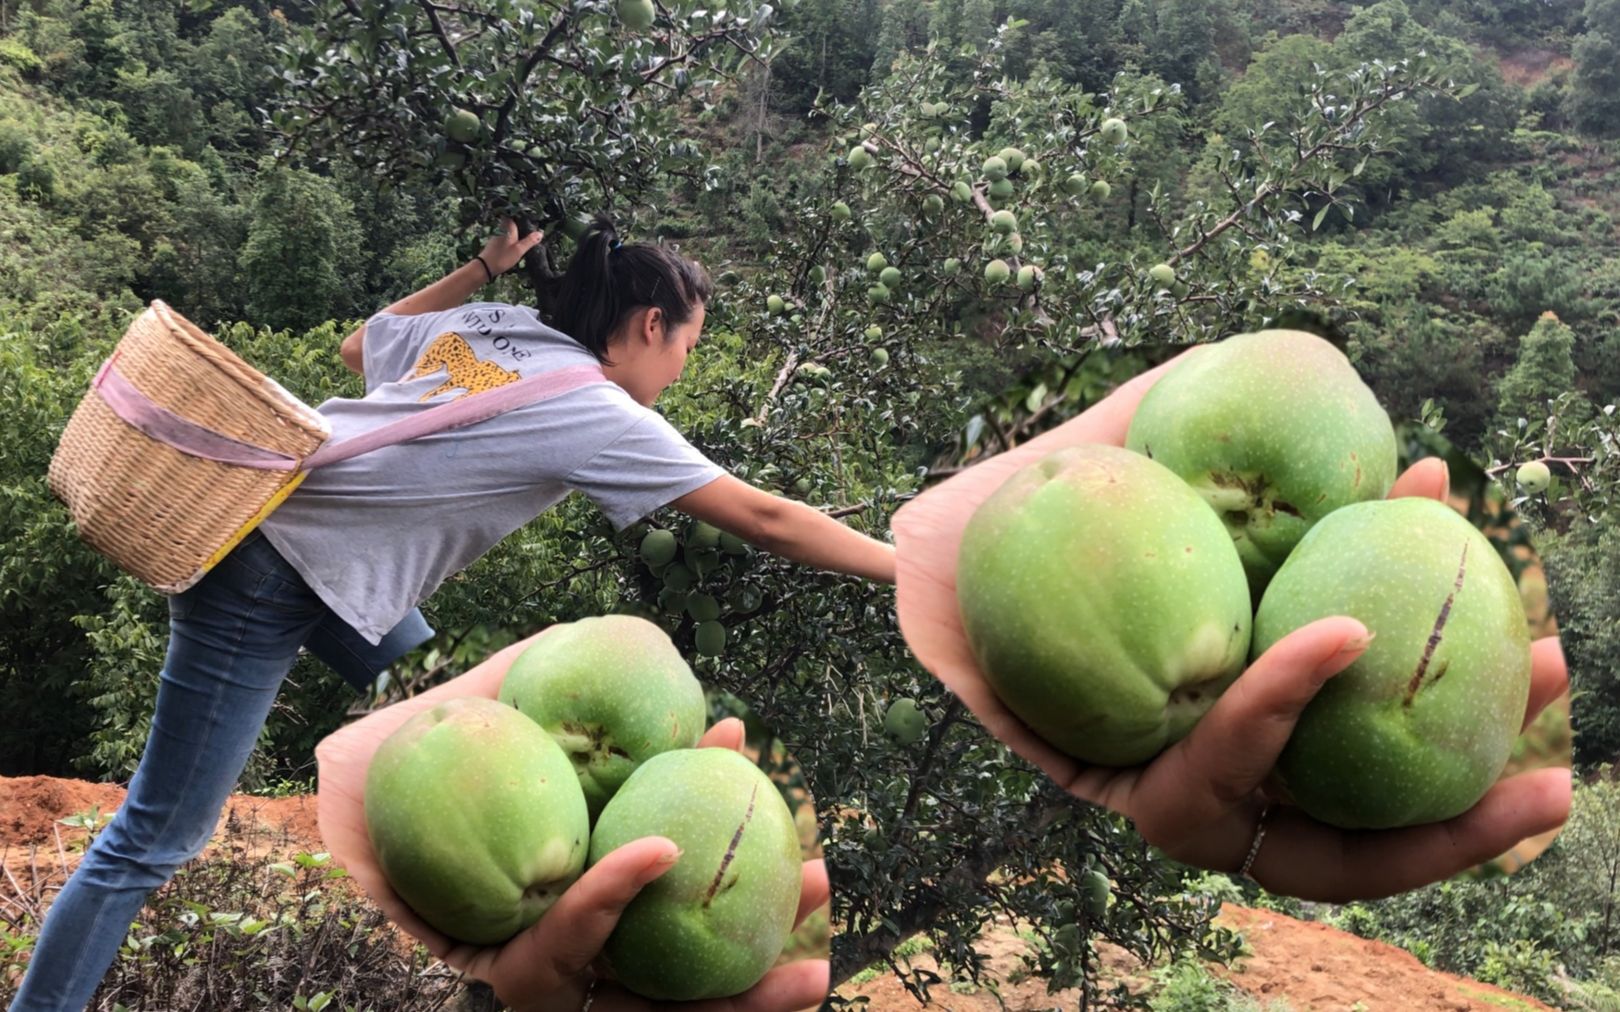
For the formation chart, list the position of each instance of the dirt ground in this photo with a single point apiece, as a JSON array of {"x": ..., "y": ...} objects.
[
  {"x": 1300, "y": 965},
  {"x": 1307, "y": 965}
]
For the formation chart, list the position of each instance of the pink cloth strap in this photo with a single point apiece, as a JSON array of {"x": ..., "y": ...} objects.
[{"x": 188, "y": 437}]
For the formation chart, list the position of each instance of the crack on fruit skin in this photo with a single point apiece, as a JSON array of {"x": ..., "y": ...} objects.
[
  {"x": 1434, "y": 635},
  {"x": 1285, "y": 507},
  {"x": 731, "y": 849}
]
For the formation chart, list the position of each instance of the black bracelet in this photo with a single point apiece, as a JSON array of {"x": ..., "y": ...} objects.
[{"x": 480, "y": 258}]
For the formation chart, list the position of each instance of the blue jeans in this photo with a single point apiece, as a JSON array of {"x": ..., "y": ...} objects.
[{"x": 232, "y": 639}]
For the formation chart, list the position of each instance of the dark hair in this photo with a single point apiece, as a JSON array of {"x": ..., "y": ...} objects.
[{"x": 608, "y": 280}]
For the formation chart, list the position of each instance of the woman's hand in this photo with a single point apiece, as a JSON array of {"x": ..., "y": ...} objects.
[
  {"x": 548, "y": 965},
  {"x": 1201, "y": 799},
  {"x": 503, "y": 251}
]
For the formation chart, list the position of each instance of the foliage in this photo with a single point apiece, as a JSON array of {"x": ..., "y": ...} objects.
[
  {"x": 1533, "y": 932},
  {"x": 567, "y": 109},
  {"x": 1365, "y": 174}
]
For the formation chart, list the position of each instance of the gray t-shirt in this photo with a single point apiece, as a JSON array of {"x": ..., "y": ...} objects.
[{"x": 376, "y": 534}]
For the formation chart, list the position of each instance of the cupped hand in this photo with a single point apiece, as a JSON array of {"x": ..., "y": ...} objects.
[
  {"x": 549, "y": 965},
  {"x": 503, "y": 251},
  {"x": 1200, "y": 800}
]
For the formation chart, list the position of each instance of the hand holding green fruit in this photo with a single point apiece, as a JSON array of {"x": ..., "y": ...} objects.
[
  {"x": 547, "y": 965},
  {"x": 1200, "y": 798}
]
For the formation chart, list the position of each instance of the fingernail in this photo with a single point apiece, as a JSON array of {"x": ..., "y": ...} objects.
[
  {"x": 658, "y": 867},
  {"x": 1445, "y": 488},
  {"x": 1335, "y": 661},
  {"x": 1356, "y": 643}
]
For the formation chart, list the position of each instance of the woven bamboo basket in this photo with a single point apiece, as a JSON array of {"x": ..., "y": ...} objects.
[{"x": 162, "y": 514}]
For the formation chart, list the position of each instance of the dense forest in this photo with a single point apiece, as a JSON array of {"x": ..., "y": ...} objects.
[{"x": 1435, "y": 186}]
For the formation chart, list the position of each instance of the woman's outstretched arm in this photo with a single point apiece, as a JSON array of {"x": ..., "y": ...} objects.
[
  {"x": 787, "y": 528},
  {"x": 501, "y": 253}
]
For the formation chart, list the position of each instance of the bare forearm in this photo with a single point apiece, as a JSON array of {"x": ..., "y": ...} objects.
[
  {"x": 808, "y": 536},
  {"x": 448, "y": 292}
]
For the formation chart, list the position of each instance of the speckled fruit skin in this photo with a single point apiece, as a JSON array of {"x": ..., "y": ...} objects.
[
  {"x": 1275, "y": 430},
  {"x": 476, "y": 817},
  {"x": 1105, "y": 603},
  {"x": 711, "y": 926},
  {"x": 1410, "y": 733},
  {"x": 613, "y": 692}
]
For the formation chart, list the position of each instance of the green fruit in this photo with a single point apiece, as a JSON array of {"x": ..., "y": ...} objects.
[
  {"x": 997, "y": 272},
  {"x": 1104, "y": 602},
  {"x": 952, "y": 267},
  {"x": 890, "y": 277},
  {"x": 818, "y": 275},
  {"x": 776, "y": 305},
  {"x": 613, "y": 692},
  {"x": 1015, "y": 243},
  {"x": 932, "y": 145},
  {"x": 1002, "y": 189},
  {"x": 1113, "y": 131},
  {"x": 710, "y": 638},
  {"x": 1100, "y": 189},
  {"x": 880, "y": 357},
  {"x": 703, "y": 607},
  {"x": 702, "y": 537},
  {"x": 840, "y": 211},
  {"x": 1275, "y": 431},
  {"x": 711, "y": 926},
  {"x": 1004, "y": 222},
  {"x": 1031, "y": 168},
  {"x": 637, "y": 15},
  {"x": 859, "y": 158},
  {"x": 878, "y": 294},
  {"x": 1534, "y": 477},
  {"x": 904, "y": 723},
  {"x": 745, "y": 599},
  {"x": 463, "y": 126},
  {"x": 1421, "y": 725},
  {"x": 802, "y": 486},
  {"x": 672, "y": 602},
  {"x": 874, "y": 332},
  {"x": 732, "y": 545},
  {"x": 476, "y": 818},
  {"x": 1094, "y": 886},
  {"x": 876, "y": 262},
  {"x": 1011, "y": 157},
  {"x": 933, "y": 204},
  {"x": 1076, "y": 184},
  {"x": 678, "y": 578},
  {"x": 1162, "y": 274},
  {"x": 962, "y": 192},
  {"x": 995, "y": 168},
  {"x": 1028, "y": 277},
  {"x": 658, "y": 548},
  {"x": 702, "y": 562}
]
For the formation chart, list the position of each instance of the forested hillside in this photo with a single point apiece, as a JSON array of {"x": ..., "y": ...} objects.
[{"x": 1433, "y": 185}]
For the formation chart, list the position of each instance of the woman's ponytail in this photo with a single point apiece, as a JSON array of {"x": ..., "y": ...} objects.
[{"x": 608, "y": 279}]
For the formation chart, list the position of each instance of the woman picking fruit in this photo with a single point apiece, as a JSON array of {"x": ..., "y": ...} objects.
[{"x": 342, "y": 564}]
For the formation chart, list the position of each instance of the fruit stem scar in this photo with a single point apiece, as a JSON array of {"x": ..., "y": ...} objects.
[
  {"x": 1434, "y": 634},
  {"x": 731, "y": 850}
]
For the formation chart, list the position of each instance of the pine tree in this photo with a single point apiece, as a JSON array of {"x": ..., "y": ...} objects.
[{"x": 1545, "y": 368}]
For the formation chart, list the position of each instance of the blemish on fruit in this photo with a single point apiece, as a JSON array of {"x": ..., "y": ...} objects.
[
  {"x": 1434, "y": 634},
  {"x": 731, "y": 849}
]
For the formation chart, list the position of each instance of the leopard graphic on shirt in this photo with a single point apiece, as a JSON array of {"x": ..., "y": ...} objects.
[{"x": 451, "y": 352}]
